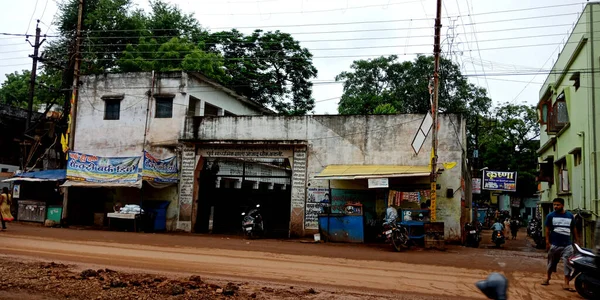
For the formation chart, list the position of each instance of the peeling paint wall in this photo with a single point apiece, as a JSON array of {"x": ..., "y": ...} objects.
[
  {"x": 125, "y": 136},
  {"x": 362, "y": 140}
]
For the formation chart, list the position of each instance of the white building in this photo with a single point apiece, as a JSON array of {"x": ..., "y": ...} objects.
[{"x": 121, "y": 115}]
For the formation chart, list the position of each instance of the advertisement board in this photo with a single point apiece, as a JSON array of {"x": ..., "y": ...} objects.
[{"x": 500, "y": 181}]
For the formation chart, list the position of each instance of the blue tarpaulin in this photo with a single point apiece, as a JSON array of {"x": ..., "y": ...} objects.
[{"x": 48, "y": 175}]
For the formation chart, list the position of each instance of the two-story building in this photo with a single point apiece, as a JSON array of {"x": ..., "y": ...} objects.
[
  {"x": 568, "y": 116},
  {"x": 123, "y": 115}
]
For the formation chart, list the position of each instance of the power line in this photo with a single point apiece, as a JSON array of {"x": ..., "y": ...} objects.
[
  {"x": 33, "y": 13},
  {"x": 477, "y": 44}
]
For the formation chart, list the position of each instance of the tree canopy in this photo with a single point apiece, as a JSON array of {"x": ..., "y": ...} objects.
[
  {"x": 506, "y": 135},
  {"x": 270, "y": 68}
]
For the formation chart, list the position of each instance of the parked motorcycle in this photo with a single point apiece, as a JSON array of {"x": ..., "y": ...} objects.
[
  {"x": 252, "y": 222},
  {"x": 473, "y": 235},
  {"x": 586, "y": 272},
  {"x": 534, "y": 230},
  {"x": 498, "y": 238},
  {"x": 395, "y": 233}
]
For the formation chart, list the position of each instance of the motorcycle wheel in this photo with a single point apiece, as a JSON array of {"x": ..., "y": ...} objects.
[
  {"x": 399, "y": 240},
  {"x": 582, "y": 288},
  {"x": 476, "y": 244}
]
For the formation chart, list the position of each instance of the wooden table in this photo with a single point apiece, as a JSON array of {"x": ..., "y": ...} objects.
[{"x": 134, "y": 217}]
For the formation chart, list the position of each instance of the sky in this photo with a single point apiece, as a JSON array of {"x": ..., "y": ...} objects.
[{"x": 498, "y": 44}]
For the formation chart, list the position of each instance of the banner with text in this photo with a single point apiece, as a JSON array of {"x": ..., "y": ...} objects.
[
  {"x": 500, "y": 181},
  {"x": 160, "y": 171},
  {"x": 84, "y": 167}
]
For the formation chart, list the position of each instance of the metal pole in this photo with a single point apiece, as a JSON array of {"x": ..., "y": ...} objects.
[
  {"x": 434, "y": 109},
  {"x": 76, "y": 73}
]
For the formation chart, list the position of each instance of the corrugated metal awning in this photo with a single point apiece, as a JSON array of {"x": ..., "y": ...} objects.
[{"x": 372, "y": 171}]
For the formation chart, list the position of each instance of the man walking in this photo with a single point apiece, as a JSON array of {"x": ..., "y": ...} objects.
[{"x": 559, "y": 228}]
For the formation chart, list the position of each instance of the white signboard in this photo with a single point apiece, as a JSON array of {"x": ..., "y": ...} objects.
[
  {"x": 422, "y": 133},
  {"x": 379, "y": 183},
  {"x": 16, "y": 191}
]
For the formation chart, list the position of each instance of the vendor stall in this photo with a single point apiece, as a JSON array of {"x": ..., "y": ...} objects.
[{"x": 37, "y": 196}]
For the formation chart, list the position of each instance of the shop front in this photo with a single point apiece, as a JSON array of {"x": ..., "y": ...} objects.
[
  {"x": 361, "y": 194},
  {"x": 118, "y": 193}
]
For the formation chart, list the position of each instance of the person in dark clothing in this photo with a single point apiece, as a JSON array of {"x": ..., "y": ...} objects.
[{"x": 514, "y": 228}]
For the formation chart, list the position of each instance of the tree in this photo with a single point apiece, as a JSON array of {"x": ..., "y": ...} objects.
[
  {"x": 14, "y": 90},
  {"x": 269, "y": 67},
  {"x": 174, "y": 54},
  {"x": 385, "y": 82}
]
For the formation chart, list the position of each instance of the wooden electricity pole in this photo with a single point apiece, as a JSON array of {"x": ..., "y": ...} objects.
[
  {"x": 434, "y": 110},
  {"x": 76, "y": 73}
]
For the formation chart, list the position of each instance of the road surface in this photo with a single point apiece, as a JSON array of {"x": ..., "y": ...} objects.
[{"x": 356, "y": 269}]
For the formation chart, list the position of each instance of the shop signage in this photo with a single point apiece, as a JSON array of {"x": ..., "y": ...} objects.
[
  {"x": 515, "y": 202},
  {"x": 476, "y": 186},
  {"x": 160, "y": 171},
  {"x": 246, "y": 151},
  {"x": 84, "y": 167},
  {"x": 16, "y": 191},
  {"x": 500, "y": 181},
  {"x": 379, "y": 183},
  {"x": 316, "y": 199}
]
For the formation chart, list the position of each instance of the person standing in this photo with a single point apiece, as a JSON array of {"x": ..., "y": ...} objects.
[
  {"x": 5, "y": 201},
  {"x": 514, "y": 228},
  {"x": 559, "y": 229}
]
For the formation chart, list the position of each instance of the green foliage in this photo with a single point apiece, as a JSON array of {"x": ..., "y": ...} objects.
[
  {"x": 14, "y": 90},
  {"x": 385, "y": 109},
  {"x": 270, "y": 68}
]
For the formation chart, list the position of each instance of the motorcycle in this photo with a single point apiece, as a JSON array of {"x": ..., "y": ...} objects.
[
  {"x": 394, "y": 233},
  {"x": 498, "y": 238},
  {"x": 473, "y": 235},
  {"x": 252, "y": 223},
  {"x": 585, "y": 271},
  {"x": 397, "y": 235},
  {"x": 534, "y": 230}
]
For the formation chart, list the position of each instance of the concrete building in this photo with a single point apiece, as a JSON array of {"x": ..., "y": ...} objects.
[
  {"x": 121, "y": 115},
  {"x": 333, "y": 155},
  {"x": 569, "y": 110}
]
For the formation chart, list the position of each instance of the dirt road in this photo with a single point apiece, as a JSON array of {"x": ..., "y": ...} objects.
[{"x": 368, "y": 270}]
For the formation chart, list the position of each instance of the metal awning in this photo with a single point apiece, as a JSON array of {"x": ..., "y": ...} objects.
[
  {"x": 39, "y": 176},
  {"x": 372, "y": 171},
  {"x": 87, "y": 184}
]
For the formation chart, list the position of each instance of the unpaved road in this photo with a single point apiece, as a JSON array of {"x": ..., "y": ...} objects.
[{"x": 365, "y": 273}]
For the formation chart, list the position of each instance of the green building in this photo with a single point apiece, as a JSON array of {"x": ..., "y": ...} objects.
[{"x": 569, "y": 125}]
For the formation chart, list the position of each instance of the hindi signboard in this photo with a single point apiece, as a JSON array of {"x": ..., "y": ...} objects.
[
  {"x": 161, "y": 171},
  {"x": 91, "y": 168},
  {"x": 500, "y": 181}
]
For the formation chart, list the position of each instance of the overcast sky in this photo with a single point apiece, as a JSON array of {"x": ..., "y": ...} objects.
[{"x": 496, "y": 43}]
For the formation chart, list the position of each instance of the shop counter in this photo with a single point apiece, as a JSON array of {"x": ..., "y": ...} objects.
[{"x": 338, "y": 227}]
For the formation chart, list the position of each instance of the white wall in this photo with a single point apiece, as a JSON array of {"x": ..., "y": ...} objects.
[
  {"x": 125, "y": 137},
  {"x": 362, "y": 140}
]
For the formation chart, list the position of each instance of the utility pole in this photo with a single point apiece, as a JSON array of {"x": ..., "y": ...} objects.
[
  {"x": 434, "y": 109},
  {"x": 76, "y": 73},
  {"x": 73, "y": 112},
  {"x": 36, "y": 48}
]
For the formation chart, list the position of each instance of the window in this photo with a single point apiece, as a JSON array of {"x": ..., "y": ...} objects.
[
  {"x": 112, "y": 109},
  {"x": 558, "y": 117},
  {"x": 563, "y": 177},
  {"x": 211, "y": 110},
  {"x": 544, "y": 108},
  {"x": 575, "y": 77},
  {"x": 164, "y": 107}
]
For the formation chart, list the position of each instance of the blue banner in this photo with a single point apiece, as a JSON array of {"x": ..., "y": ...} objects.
[
  {"x": 500, "y": 181},
  {"x": 160, "y": 171},
  {"x": 84, "y": 167}
]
